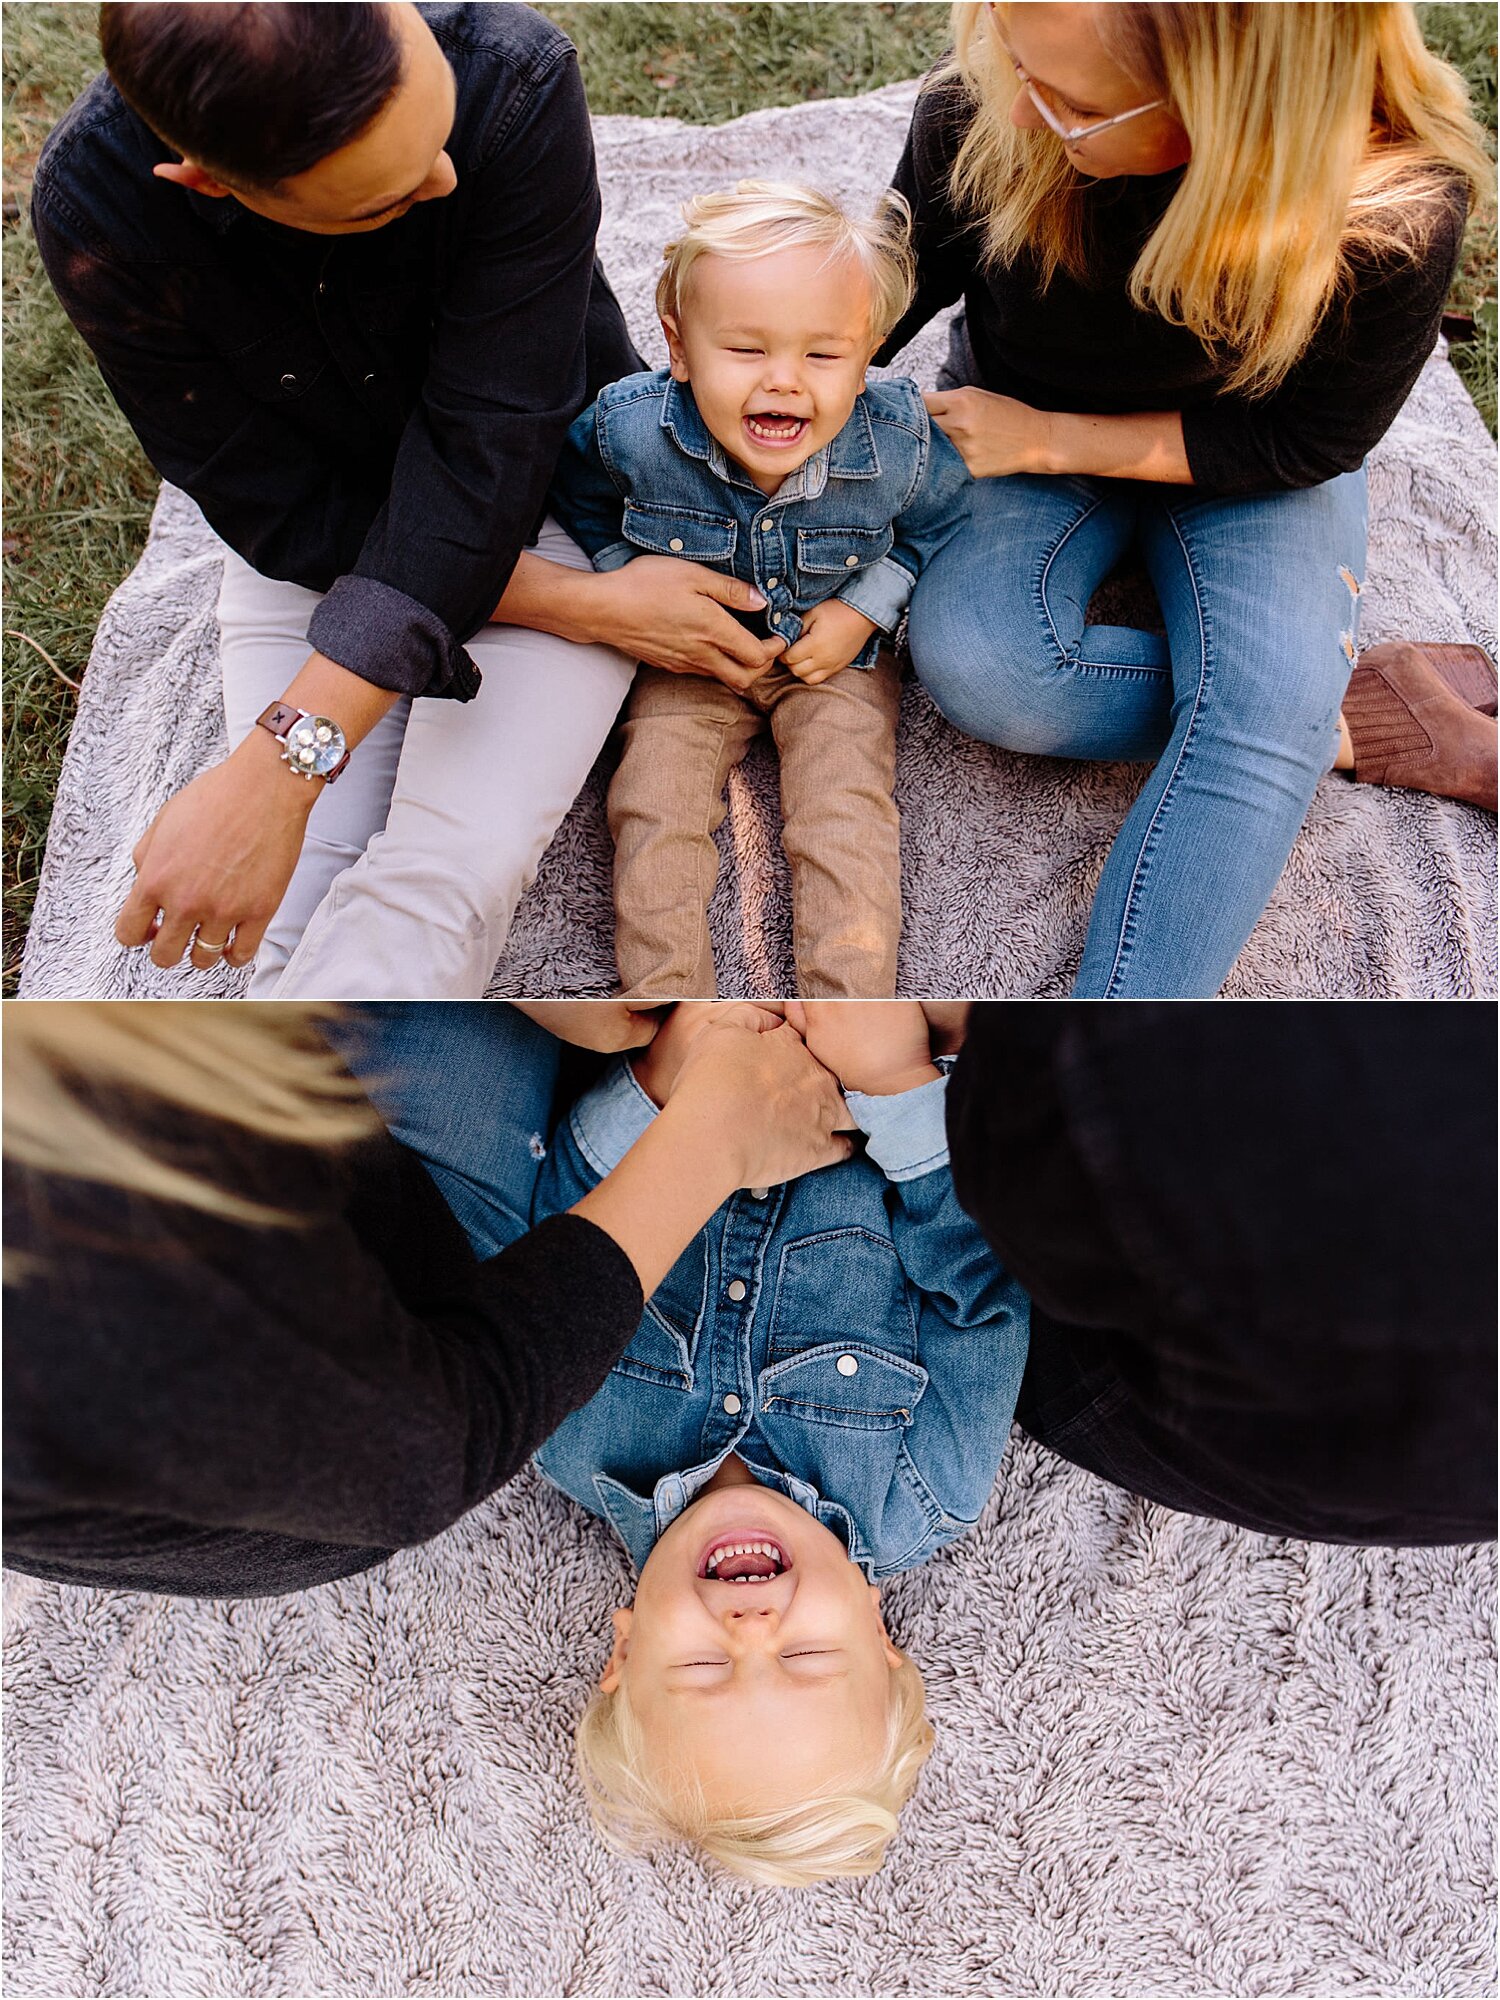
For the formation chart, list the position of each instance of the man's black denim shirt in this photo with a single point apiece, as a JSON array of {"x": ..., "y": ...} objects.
[{"x": 373, "y": 416}]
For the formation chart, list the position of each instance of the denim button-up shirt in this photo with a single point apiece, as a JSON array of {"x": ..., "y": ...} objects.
[
  {"x": 850, "y": 1335},
  {"x": 374, "y": 416},
  {"x": 640, "y": 474}
]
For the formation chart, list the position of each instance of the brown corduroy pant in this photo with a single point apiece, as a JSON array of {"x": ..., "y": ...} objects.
[{"x": 837, "y": 745}]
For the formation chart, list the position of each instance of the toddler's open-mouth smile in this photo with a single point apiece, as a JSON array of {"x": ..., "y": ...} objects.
[
  {"x": 744, "y": 1559},
  {"x": 775, "y": 428}
]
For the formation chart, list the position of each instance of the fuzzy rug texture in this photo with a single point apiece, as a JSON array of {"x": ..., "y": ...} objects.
[
  {"x": 1173, "y": 1758},
  {"x": 1385, "y": 893}
]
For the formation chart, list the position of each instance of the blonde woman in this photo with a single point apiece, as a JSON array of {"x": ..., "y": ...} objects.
[
  {"x": 1203, "y": 251},
  {"x": 260, "y": 1334}
]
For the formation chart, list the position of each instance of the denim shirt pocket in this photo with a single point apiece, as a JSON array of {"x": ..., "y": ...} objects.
[
  {"x": 666, "y": 1340},
  {"x": 689, "y": 532},
  {"x": 836, "y": 1280},
  {"x": 880, "y": 1394},
  {"x": 846, "y": 1434},
  {"x": 825, "y": 552}
]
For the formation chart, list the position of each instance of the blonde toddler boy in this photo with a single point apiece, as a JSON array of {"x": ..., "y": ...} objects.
[{"x": 762, "y": 452}]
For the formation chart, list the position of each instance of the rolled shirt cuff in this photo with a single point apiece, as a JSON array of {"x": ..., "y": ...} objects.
[
  {"x": 882, "y": 592},
  {"x": 608, "y": 1119},
  {"x": 615, "y": 556},
  {"x": 906, "y": 1135},
  {"x": 391, "y": 640}
]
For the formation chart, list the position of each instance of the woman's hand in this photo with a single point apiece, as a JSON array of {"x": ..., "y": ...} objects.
[
  {"x": 879, "y": 1047},
  {"x": 747, "y": 1107},
  {"x": 992, "y": 434},
  {"x": 778, "y": 1111},
  {"x": 606, "y": 1025}
]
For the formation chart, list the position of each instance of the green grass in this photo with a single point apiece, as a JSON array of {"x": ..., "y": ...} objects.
[{"x": 77, "y": 491}]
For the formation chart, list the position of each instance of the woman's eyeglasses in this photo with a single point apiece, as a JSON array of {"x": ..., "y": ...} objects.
[{"x": 1071, "y": 135}]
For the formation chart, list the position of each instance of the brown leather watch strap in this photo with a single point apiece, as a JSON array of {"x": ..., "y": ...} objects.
[{"x": 279, "y": 717}]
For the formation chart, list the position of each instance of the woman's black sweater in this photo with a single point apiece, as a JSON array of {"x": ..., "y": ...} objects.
[
  {"x": 1086, "y": 347},
  {"x": 199, "y": 1406}
]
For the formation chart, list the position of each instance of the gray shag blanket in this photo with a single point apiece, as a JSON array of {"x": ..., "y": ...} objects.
[
  {"x": 1172, "y": 1758},
  {"x": 1386, "y": 893}
]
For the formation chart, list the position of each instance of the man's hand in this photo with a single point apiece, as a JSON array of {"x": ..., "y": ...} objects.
[
  {"x": 606, "y": 1025},
  {"x": 218, "y": 856},
  {"x": 665, "y": 610},
  {"x": 672, "y": 614},
  {"x": 992, "y": 434},
  {"x": 833, "y": 634},
  {"x": 880, "y": 1047},
  {"x": 948, "y": 1021}
]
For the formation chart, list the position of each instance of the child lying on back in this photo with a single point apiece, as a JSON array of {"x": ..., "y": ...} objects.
[
  {"x": 761, "y": 451},
  {"x": 818, "y": 1397}
]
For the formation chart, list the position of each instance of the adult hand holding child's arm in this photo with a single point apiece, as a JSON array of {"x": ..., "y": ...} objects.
[
  {"x": 746, "y": 1106},
  {"x": 669, "y": 612},
  {"x": 879, "y": 1047},
  {"x": 833, "y": 635}
]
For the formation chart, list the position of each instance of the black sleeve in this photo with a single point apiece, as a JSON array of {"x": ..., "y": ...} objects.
[
  {"x": 424, "y": 558},
  {"x": 946, "y": 249},
  {"x": 1344, "y": 394},
  {"x": 188, "y": 1367},
  {"x": 506, "y": 375},
  {"x": 193, "y": 420},
  {"x": 1277, "y": 1231}
]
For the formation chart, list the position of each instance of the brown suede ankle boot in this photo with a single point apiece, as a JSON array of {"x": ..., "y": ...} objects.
[
  {"x": 1468, "y": 671},
  {"x": 1410, "y": 729}
]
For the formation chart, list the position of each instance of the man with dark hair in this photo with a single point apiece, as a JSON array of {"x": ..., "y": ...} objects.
[{"x": 337, "y": 266}]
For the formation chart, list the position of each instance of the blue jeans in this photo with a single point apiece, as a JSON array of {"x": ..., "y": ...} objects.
[
  {"x": 1237, "y": 707},
  {"x": 470, "y": 1087}
]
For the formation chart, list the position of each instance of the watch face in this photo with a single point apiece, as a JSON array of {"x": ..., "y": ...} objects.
[{"x": 314, "y": 746}]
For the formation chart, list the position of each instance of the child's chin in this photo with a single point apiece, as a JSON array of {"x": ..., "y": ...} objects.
[{"x": 781, "y": 462}]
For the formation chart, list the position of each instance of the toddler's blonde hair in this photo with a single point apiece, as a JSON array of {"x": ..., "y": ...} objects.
[
  {"x": 835, "y": 1833},
  {"x": 755, "y": 218}
]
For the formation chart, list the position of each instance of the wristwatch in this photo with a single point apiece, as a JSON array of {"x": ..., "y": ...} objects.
[{"x": 313, "y": 746}]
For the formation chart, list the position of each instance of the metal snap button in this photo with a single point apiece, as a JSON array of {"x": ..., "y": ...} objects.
[
  {"x": 851, "y": 562},
  {"x": 772, "y": 581},
  {"x": 767, "y": 525},
  {"x": 738, "y": 1289},
  {"x": 369, "y": 381},
  {"x": 732, "y": 1406},
  {"x": 675, "y": 545},
  {"x": 847, "y": 1365},
  {"x": 288, "y": 381},
  {"x": 759, "y": 1194}
]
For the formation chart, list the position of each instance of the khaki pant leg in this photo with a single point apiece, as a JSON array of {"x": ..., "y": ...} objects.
[
  {"x": 683, "y": 735},
  {"x": 841, "y": 830}
]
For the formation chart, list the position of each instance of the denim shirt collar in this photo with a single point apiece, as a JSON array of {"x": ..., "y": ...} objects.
[
  {"x": 639, "y": 1519},
  {"x": 851, "y": 455}
]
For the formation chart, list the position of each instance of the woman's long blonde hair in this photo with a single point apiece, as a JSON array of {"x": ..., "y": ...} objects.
[
  {"x": 263, "y": 1071},
  {"x": 1317, "y": 132}
]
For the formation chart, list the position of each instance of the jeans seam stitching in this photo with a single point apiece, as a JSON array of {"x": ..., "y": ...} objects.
[
  {"x": 1147, "y": 839},
  {"x": 1041, "y": 583}
]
